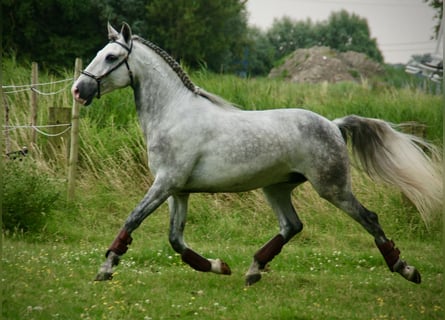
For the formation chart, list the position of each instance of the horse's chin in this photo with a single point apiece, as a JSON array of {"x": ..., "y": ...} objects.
[
  {"x": 89, "y": 97},
  {"x": 88, "y": 102},
  {"x": 84, "y": 102}
]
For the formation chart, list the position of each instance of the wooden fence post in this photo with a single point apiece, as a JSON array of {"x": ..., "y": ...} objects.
[
  {"x": 58, "y": 144},
  {"x": 6, "y": 135},
  {"x": 34, "y": 81},
  {"x": 74, "y": 144}
]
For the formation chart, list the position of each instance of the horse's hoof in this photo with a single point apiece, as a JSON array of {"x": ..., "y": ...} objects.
[
  {"x": 103, "y": 276},
  {"x": 225, "y": 269},
  {"x": 253, "y": 278},
  {"x": 410, "y": 273},
  {"x": 219, "y": 267}
]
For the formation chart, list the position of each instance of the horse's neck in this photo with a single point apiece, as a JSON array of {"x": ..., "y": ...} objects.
[{"x": 158, "y": 89}]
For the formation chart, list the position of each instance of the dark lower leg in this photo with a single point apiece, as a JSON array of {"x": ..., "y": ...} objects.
[
  {"x": 262, "y": 257},
  {"x": 390, "y": 253},
  {"x": 395, "y": 264},
  {"x": 196, "y": 261},
  {"x": 270, "y": 250},
  {"x": 120, "y": 243},
  {"x": 387, "y": 248},
  {"x": 200, "y": 263},
  {"x": 118, "y": 247}
]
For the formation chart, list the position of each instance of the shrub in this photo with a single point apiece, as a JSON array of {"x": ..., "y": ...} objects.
[{"x": 28, "y": 197}]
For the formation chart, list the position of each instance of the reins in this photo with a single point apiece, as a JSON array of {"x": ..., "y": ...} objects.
[{"x": 125, "y": 60}]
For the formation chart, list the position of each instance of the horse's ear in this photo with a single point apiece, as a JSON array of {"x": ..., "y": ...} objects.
[
  {"x": 126, "y": 32},
  {"x": 112, "y": 33}
]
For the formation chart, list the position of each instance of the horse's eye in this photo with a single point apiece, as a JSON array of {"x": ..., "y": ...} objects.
[{"x": 111, "y": 58}]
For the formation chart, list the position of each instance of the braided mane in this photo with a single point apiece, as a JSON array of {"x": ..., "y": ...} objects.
[
  {"x": 171, "y": 62},
  {"x": 182, "y": 74}
]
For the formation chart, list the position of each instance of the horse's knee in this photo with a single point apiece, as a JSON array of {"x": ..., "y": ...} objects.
[
  {"x": 297, "y": 227},
  {"x": 292, "y": 229},
  {"x": 177, "y": 243}
]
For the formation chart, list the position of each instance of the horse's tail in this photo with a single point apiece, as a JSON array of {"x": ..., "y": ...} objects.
[{"x": 402, "y": 160}]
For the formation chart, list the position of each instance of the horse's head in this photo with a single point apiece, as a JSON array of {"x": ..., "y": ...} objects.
[{"x": 109, "y": 70}]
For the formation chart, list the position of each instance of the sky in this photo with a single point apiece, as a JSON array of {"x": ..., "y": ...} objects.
[{"x": 402, "y": 27}]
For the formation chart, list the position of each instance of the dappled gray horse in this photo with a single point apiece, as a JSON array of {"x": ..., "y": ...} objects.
[{"x": 197, "y": 142}]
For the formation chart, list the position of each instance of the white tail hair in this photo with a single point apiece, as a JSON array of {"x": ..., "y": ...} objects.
[{"x": 399, "y": 159}]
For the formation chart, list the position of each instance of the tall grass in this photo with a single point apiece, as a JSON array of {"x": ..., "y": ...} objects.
[
  {"x": 332, "y": 270},
  {"x": 112, "y": 148},
  {"x": 366, "y": 99}
]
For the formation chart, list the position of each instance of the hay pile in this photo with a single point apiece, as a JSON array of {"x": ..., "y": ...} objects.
[{"x": 320, "y": 64}]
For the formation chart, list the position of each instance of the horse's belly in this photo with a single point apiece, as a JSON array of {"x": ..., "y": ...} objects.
[{"x": 242, "y": 177}]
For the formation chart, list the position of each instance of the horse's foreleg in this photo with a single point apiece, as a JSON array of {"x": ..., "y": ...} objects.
[
  {"x": 279, "y": 198},
  {"x": 117, "y": 248},
  {"x": 262, "y": 257},
  {"x": 178, "y": 213},
  {"x": 152, "y": 200},
  {"x": 106, "y": 269}
]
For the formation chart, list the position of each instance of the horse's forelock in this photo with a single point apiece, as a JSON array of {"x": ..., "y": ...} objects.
[{"x": 113, "y": 37}]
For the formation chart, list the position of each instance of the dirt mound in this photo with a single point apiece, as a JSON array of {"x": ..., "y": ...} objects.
[{"x": 319, "y": 64}]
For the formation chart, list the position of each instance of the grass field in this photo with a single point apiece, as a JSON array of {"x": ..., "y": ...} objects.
[{"x": 332, "y": 270}]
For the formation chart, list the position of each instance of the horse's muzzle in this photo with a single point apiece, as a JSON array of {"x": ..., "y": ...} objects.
[{"x": 83, "y": 93}]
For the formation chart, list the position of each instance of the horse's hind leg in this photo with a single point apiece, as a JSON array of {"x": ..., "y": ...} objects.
[
  {"x": 279, "y": 197},
  {"x": 178, "y": 212},
  {"x": 369, "y": 221}
]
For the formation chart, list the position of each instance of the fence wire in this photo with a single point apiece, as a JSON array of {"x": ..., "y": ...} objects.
[
  {"x": 38, "y": 128},
  {"x": 33, "y": 87}
]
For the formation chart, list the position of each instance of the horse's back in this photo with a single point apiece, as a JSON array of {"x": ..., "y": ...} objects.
[{"x": 286, "y": 132}]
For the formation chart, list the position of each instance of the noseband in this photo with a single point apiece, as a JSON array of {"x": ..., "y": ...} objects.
[{"x": 125, "y": 60}]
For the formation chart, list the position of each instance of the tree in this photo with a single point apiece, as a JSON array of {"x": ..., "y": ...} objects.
[
  {"x": 260, "y": 52},
  {"x": 199, "y": 32},
  {"x": 438, "y": 6},
  {"x": 130, "y": 11},
  {"x": 287, "y": 35},
  {"x": 52, "y": 32},
  {"x": 349, "y": 32},
  {"x": 342, "y": 31}
]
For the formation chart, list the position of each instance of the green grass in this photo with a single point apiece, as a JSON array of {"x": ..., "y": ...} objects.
[{"x": 332, "y": 270}]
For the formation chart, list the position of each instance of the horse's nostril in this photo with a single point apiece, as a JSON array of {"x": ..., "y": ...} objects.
[{"x": 75, "y": 91}]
